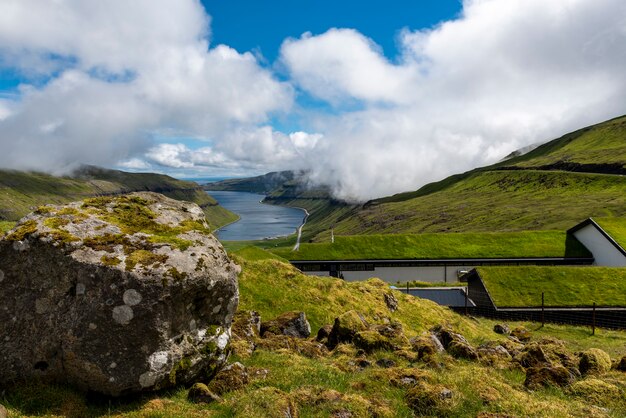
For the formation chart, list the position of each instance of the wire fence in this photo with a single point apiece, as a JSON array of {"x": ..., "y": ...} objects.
[{"x": 589, "y": 314}]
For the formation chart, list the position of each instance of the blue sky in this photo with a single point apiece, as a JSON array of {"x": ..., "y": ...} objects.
[
  {"x": 257, "y": 25},
  {"x": 370, "y": 98}
]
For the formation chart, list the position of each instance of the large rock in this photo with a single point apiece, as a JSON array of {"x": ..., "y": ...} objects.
[
  {"x": 594, "y": 361},
  {"x": 345, "y": 328},
  {"x": 115, "y": 295}
]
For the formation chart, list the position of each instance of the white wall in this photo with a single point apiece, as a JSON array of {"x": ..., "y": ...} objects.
[
  {"x": 433, "y": 274},
  {"x": 604, "y": 253}
]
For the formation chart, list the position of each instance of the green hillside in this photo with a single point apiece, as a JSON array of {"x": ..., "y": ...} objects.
[
  {"x": 20, "y": 191},
  {"x": 555, "y": 186}
]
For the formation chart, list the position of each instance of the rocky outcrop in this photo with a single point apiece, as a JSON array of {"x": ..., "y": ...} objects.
[
  {"x": 293, "y": 324},
  {"x": 115, "y": 295}
]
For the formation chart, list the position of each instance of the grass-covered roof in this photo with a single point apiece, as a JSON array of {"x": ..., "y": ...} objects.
[
  {"x": 562, "y": 285},
  {"x": 527, "y": 244},
  {"x": 615, "y": 227}
]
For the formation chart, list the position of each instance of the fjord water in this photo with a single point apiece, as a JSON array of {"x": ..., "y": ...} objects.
[{"x": 258, "y": 220}]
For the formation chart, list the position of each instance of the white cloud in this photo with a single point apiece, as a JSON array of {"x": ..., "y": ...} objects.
[
  {"x": 505, "y": 74},
  {"x": 125, "y": 71}
]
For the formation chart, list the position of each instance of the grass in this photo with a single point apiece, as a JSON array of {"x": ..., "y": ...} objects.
[
  {"x": 562, "y": 286},
  {"x": 320, "y": 387},
  {"x": 615, "y": 227},
  {"x": 497, "y": 201},
  {"x": 6, "y": 226},
  {"x": 604, "y": 143},
  {"x": 441, "y": 246}
]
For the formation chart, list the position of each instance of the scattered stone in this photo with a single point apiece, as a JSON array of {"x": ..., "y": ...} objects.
[
  {"x": 370, "y": 341},
  {"x": 455, "y": 344},
  {"x": 542, "y": 376},
  {"x": 426, "y": 346},
  {"x": 230, "y": 378},
  {"x": 293, "y": 324},
  {"x": 501, "y": 329},
  {"x": 200, "y": 393},
  {"x": 594, "y": 361},
  {"x": 595, "y": 391},
  {"x": 534, "y": 356},
  {"x": 246, "y": 325},
  {"x": 137, "y": 280},
  {"x": 494, "y": 355},
  {"x": 363, "y": 363},
  {"x": 521, "y": 333},
  {"x": 428, "y": 399},
  {"x": 323, "y": 333},
  {"x": 621, "y": 365},
  {"x": 345, "y": 327},
  {"x": 385, "y": 363},
  {"x": 391, "y": 301}
]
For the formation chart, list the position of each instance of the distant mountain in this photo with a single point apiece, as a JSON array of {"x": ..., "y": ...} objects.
[
  {"x": 21, "y": 191},
  {"x": 521, "y": 151}
]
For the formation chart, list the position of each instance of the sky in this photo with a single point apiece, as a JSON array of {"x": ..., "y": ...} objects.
[{"x": 370, "y": 98}]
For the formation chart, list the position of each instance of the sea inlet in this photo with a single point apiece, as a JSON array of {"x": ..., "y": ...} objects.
[{"x": 258, "y": 220}]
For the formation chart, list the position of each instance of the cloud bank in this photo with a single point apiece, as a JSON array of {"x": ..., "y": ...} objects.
[{"x": 109, "y": 79}]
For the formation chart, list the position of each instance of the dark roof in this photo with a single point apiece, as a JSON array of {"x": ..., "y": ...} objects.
[{"x": 590, "y": 221}]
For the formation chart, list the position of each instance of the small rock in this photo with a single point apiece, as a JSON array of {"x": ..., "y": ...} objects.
[
  {"x": 323, "y": 333},
  {"x": 594, "y": 361},
  {"x": 293, "y": 324},
  {"x": 501, "y": 329},
  {"x": 621, "y": 365},
  {"x": 3, "y": 412},
  {"x": 363, "y": 363},
  {"x": 345, "y": 327},
  {"x": 445, "y": 394},
  {"x": 391, "y": 301},
  {"x": 541, "y": 376},
  {"x": 232, "y": 377},
  {"x": 521, "y": 333},
  {"x": 385, "y": 363},
  {"x": 534, "y": 356},
  {"x": 200, "y": 393}
]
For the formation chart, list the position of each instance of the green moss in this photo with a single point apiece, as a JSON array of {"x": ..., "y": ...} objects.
[
  {"x": 175, "y": 274},
  {"x": 107, "y": 242},
  {"x": 597, "y": 391},
  {"x": 55, "y": 223},
  {"x": 594, "y": 361},
  {"x": 180, "y": 367},
  {"x": 23, "y": 230},
  {"x": 144, "y": 258},
  {"x": 42, "y": 210},
  {"x": 110, "y": 260},
  {"x": 61, "y": 236}
]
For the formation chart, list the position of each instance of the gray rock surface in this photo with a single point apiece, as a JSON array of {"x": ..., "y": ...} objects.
[{"x": 115, "y": 295}]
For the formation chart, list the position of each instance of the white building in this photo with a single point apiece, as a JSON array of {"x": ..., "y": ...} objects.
[{"x": 606, "y": 250}]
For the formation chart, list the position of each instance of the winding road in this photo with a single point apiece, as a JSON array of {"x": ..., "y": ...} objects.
[{"x": 297, "y": 246}]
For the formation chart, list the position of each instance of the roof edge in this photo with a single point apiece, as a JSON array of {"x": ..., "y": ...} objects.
[{"x": 591, "y": 221}]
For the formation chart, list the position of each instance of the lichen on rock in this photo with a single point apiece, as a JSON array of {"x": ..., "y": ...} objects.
[{"x": 133, "y": 280}]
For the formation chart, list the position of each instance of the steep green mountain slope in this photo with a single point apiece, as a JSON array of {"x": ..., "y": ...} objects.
[
  {"x": 552, "y": 187},
  {"x": 21, "y": 191}
]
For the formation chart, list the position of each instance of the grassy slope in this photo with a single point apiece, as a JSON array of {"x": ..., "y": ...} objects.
[
  {"x": 615, "y": 227},
  {"x": 599, "y": 144},
  {"x": 497, "y": 201},
  {"x": 21, "y": 191},
  {"x": 425, "y": 246},
  {"x": 563, "y": 286},
  {"x": 272, "y": 287}
]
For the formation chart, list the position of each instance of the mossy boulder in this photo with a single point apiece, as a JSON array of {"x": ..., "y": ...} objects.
[
  {"x": 621, "y": 365},
  {"x": 115, "y": 295},
  {"x": 594, "y": 361},
  {"x": 427, "y": 399},
  {"x": 521, "y": 333},
  {"x": 542, "y": 376},
  {"x": 501, "y": 329},
  {"x": 454, "y": 343},
  {"x": 323, "y": 333},
  {"x": 346, "y": 326},
  {"x": 596, "y": 391},
  {"x": 293, "y": 324},
  {"x": 372, "y": 340},
  {"x": 230, "y": 378},
  {"x": 200, "y": 393},
  {"x": 306, "y": 348},
  {"x": 427, "y": 345}
]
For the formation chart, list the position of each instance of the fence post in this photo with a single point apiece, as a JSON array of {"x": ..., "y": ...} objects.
[
  {"x": 593, "y": 320},
  {"x": 407, "y": 288},
  {"x": 543, "y": 307}
]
